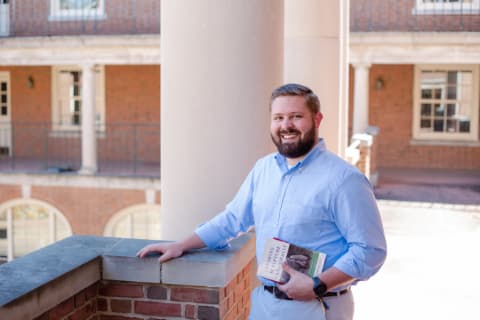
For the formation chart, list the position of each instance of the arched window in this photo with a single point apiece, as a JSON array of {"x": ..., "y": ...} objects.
[
  {"x": 139, "y": 221},
  {"x": 28, "y": 225}
]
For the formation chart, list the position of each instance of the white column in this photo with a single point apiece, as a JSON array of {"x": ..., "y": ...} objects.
[
  {"x": 89, "y": 140},
  {"x": 360, "y": 98},
  {"x": 220, "y": 62},
  {"x": 316, "y": 44}
]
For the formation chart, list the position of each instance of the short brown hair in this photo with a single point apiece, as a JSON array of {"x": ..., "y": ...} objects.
[{"x": 295, "y": 89}]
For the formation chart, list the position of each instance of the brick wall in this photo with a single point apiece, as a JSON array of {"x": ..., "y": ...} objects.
[
  {"x": 88, "y": 209},
  {"x": 31, "y": 18},
  {"x": 391, "y": 109},
  {"x": 116, "y": 300},
  {"x": 82, "y": 306},
  {"x": 394, "y": 15},
  {"x": 132, "y": 96}
]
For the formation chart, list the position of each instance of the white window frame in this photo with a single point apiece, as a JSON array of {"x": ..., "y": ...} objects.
[
  {"x": 422, "y": 7},
  {"x": 128, "y": 213},
  {"x": 471, "y": 136},
  {"x": 53, "y": 212},
  {"x": 57, "y": 125},
  {"x": 56, "y": 13}
]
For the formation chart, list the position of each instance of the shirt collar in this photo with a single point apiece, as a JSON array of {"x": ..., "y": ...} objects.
[{"x": 317, "y": 149}]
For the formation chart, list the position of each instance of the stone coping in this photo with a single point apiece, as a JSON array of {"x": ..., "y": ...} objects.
[{"x": 117, "y": 261}]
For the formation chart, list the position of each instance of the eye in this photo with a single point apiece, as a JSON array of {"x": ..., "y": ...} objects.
[{"x": 277, "y": 118}]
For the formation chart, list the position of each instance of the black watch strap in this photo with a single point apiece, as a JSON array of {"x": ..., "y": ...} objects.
[{"x": 319, "y": 287}]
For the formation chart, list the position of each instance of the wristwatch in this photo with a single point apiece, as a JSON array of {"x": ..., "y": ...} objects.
[{"x": 319, "y": 287}]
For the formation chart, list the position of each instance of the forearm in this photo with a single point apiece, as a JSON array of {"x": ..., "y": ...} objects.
[
  {"x": 192, "y": 242},
  {"x": 334, "y": 278}
]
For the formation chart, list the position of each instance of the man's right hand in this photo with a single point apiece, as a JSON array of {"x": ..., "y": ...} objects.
[
  {"x": 168, "y": 250},
  {"x": 171, "y": 250}
]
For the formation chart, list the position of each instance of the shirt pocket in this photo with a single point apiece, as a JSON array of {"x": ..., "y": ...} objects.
[{"x": 304, "y": 224}]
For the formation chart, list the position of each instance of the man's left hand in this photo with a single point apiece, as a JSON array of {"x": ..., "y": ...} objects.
[{"x": 299, "y": 287}]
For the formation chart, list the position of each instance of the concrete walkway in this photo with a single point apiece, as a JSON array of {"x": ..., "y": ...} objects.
[
  {"x": 431, "y": 271},
  {"x": 429, "y": 185}
]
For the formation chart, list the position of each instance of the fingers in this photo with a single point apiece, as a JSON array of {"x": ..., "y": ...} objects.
[{"x": 149, "y": 249}]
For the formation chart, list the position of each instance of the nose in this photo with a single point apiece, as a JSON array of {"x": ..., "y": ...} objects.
[{"x": 287, "y": 123}]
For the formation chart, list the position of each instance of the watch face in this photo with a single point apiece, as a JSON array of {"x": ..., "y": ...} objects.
[{"x": 319, "y": 287}]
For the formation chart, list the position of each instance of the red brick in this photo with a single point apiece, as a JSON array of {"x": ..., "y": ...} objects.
[
  {"x": 102, "y": 304},
  {"x": 194, "y": 295},
  {"x": 121, "y": 306},
  {"x": 158, "y": 308},
  {"x": 111, "y": 317},
  {"x": 208, "y": 313},
  {"x": 121, "y": 290},
  {"x": 62, "y": 309},
  {"x": 84, "y": 312},
  {"x": 80, "y": 299},
  {"x": 91, "y": 291},
  {"x": 157, "y": 292},
  {"x": 42, "y": 317},
  {"x": 190, "y": 311}
]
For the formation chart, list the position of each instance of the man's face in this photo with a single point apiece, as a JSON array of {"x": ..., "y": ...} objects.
[{"x": 293, "y": 127}]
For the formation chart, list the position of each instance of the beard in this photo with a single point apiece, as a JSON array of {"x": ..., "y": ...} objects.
[{"x": 295, "y": 149}]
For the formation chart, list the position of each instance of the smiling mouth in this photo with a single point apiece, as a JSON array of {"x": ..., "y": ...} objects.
[{"x": 288, "y": 136}]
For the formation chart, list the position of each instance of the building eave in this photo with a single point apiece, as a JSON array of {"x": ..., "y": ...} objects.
[
  {"x": 414, "y": 47},
  {"x": 71, "y": 50}
]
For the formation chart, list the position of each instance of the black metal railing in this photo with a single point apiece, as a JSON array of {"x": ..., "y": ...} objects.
[
  {"x": 30, "y": 18},
  {"x": 125, "y": 149},
  {"x": 414, "y": 16}
]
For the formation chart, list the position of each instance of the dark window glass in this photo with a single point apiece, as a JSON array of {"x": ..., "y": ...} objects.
[
  {"x": 76, "y": 119},
  {"x": 425, "y": 123},
  {"x": 4, "y": 86},
  {"x": 4, "y": 111},
  {"x": 4, "y": 98},
  {"x": 451, "y": 125},
  {"x": 450, "y": 110},
  {"x": 426, "y": 94},
  {"x": 452, "y": 93},
  {"x": 426, "y": 109},
  {"x": 438, "y": 125},
  {"x": 464, "y": 126}
]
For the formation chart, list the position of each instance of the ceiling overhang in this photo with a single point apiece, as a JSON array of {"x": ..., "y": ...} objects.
[
  {"x": 137, "y": 49},
  {"x": 414, "y": 48}
]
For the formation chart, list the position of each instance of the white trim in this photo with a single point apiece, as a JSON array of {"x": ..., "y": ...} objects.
[
  {"x": 56, "y": 13},
  {"x": 445, "y": 136},
  {"x": 5, "y": 121},
  {"x": 69, "y": 129},
  {"x": 422, "y": 7},
  {"x": 415, "y": 47},
  {"x": 4, "y": 19},
  {"x": 128, "y": 213},
  {"x": 7, "y": 207},
  {"x": 70, "y": 50}
]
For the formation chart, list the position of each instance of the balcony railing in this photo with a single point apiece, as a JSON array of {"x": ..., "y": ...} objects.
[
  {"x": 125, "y": 149},
  {"x": 414, "y": 16},
  {"x": 31, "y": 18}
]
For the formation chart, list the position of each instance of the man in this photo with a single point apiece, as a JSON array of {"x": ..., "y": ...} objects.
[{"x": 307, "y": 196}]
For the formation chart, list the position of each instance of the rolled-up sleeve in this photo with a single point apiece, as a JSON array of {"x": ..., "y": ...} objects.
[
  {"x": 359, "y": 222},
  {"x": 237, "y": 217}
]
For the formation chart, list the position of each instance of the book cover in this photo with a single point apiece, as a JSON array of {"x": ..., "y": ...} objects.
[{"x": 277, "y": 251}]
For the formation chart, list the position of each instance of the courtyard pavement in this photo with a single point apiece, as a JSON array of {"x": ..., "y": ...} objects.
[{"x": 432, "y": 226}]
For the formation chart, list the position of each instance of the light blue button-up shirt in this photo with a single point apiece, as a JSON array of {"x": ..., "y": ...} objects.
[{"x": 322, "y": 203}]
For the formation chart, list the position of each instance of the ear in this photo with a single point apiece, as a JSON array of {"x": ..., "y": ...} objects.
[{"x": 318, "y": 118}]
